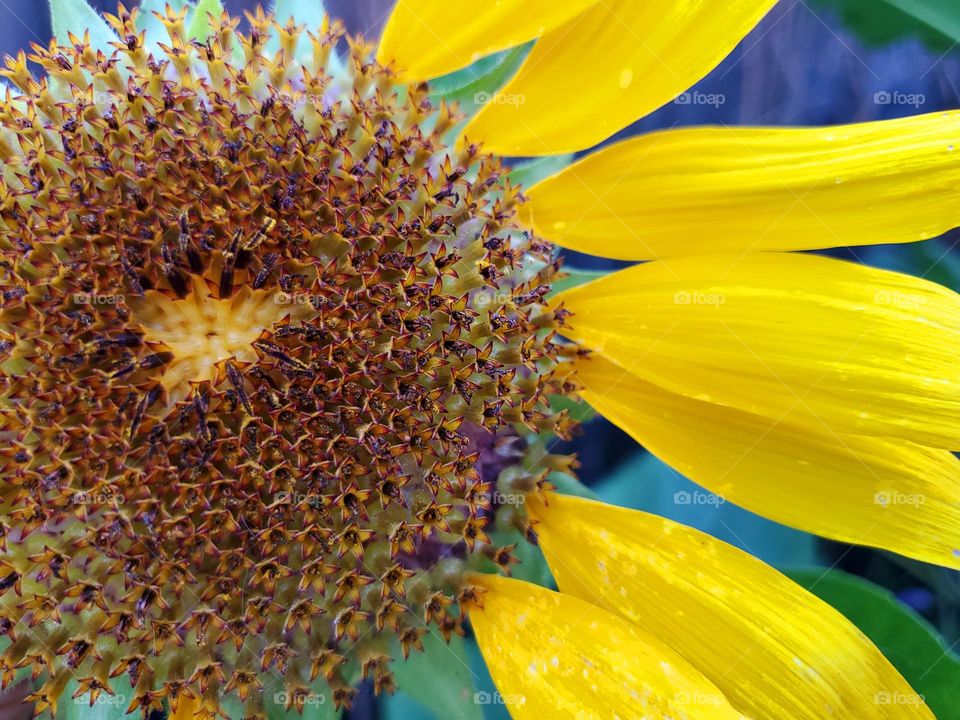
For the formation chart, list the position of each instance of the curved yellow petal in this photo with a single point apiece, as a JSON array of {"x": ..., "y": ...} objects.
[
  {"x": 612, "y": 65},
  {"x": 717, "y": 190},
  {"x": 844, "y": 348},
  {"x": 556, "y": 656},
  {"x": 428, "y": 38},
  {"x": 188, "y": 708},
  {"x": 890, "y": 494},
  {"x": 772, "y": 648}
]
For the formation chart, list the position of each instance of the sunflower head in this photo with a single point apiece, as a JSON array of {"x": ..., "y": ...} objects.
[{"x": 266, "y": 341}]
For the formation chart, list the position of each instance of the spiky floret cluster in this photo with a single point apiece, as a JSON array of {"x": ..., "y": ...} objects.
[{"x": 255, "y": 316}]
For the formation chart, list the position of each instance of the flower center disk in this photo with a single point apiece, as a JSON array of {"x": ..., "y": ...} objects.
[{"x": 258, "y": 322}]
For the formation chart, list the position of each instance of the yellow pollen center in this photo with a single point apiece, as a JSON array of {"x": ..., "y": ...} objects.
[{"x": 201, "y": 332}]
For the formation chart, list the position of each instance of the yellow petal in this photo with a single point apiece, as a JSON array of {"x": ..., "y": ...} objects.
[
  {"x": 890, "y": 494},
  {"x": 611, "y": 65},
  {"x": 716, "y": 190},
  {"x": 187, "y": 709},
  {"x": 555, "y": 656},
  {"x": 772, "y": 648},
  {"x": 843, "y": 347},
  {"x": 429, "y": 38}
]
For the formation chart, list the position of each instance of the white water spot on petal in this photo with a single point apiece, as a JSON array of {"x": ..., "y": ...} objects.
[
  {"x": 626, "y": 78},
  {"x": 805, "y": 670}
]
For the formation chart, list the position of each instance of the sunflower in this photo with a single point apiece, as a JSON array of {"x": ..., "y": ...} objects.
[{"x": 277, "y": 332}]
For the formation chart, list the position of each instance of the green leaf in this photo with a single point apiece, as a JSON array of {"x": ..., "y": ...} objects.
[
  {"x": 528, "y": 174},
  {"x": 938, "y": 262},
  {"x": 232, "y": 707},
  {"x": 905, "y": 638},
  {"x": 439, "y": 678},
  {"x": 645, "y": 483},
  {"x": 401, "y": 706},
  {"x": 580, "y": 410},
  {"x": 880, "y": 22},
  {"x": 198, "y": 23},
  {"x": 935, "y": 260},
  {"x": 77, "y": 16},
  {"x": 475, "y": 85},
  {"x": 569, "y": 485},
  {"x": 576, "y": 277},
  {"x": 532, "y": 567}
]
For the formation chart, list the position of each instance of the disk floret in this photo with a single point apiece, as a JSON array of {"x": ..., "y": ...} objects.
[{"x": 258, "y": 323}]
